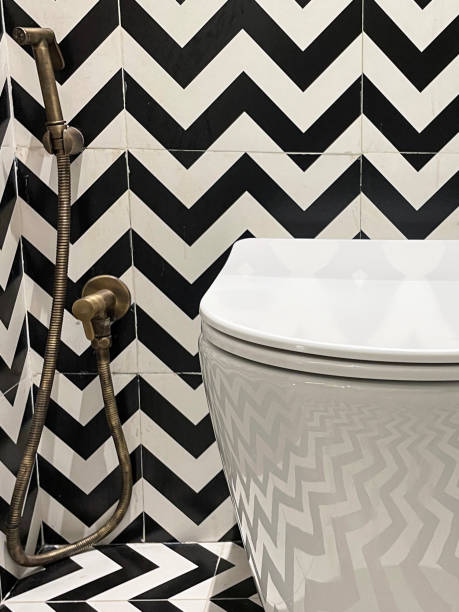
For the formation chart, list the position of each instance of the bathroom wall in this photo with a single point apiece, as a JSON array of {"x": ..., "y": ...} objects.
[
  {"x": 205, "y": 121},
  {"x": 15, "y": 392}
]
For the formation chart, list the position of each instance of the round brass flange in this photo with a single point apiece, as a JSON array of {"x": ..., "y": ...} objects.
[{"x": 117, "y": 287}]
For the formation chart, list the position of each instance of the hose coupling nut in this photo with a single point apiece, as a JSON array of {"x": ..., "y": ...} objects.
[{"x": 101, "y": 343}]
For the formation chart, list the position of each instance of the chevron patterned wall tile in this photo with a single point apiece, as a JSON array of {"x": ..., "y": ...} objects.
[
  {"x": 15, "y": 414},
  {"x": 407, "y": 197},
  {"x": 90, "y": 86},
  {"x": 78, "y": 466},
  {"x": 229, "y": 75},
  {"x": 13, "y": 340},
  {"x": 185, "y": 492},
  {"x": 410, "y": 87},
  {"x": 185, "y": 219},
  {"x": 100, "y": 243},
  {"x": 6, "y": 131}
]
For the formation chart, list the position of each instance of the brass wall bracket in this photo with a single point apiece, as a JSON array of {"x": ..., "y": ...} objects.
[{"x": 68, "y": 139}]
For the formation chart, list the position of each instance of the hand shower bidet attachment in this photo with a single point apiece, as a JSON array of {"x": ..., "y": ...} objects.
[{"x": 104, "y": 300}]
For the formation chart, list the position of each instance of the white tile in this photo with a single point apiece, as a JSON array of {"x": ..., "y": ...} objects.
[
  {"x": 399, "y": 201},
  {"x": 421, "y": 24},
  {"x": 240, "y": 571},
  {"x": 87, "y": 473},
  {"x": 191, "y": 252},
  {"x": 418, "y": 107},
  {"x": 242, "y": 55},
  {"x": 95, "y": 72},
  {"x": 194, "y": 472}
]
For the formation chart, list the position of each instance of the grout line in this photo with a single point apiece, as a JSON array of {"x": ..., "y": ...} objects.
[
  {"x": 141, "y": 458},
  {"x": 11, "y": 388},
  {"x": 127, "y": 149},
  {"x": 361, "y": 118},
  {"x": 133, "y": 601}
]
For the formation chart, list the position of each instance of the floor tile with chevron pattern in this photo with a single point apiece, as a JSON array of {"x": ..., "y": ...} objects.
[{"x": 147, "y": 577}]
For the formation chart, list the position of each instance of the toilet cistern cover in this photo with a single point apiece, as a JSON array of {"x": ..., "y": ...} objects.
[{"x": 381, "y": 300}]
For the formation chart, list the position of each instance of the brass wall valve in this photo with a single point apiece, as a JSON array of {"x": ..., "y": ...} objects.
[{"x": 104, "y": 300}]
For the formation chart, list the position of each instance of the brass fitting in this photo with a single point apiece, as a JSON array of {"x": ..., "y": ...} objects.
[
  {"x": 59, "y": 137},
  {"x": 104, "y": 300},
  {"x": 92, "y": 310}
]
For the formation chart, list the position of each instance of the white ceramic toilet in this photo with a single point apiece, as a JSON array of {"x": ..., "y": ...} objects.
[{"x": 331, "y": 370}]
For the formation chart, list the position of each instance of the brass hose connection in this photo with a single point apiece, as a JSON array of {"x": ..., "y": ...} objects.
[
  {"x": 92, "y": 311},
  {"x": 104, "y": 300},
  {"x": 59, "y": 137}
]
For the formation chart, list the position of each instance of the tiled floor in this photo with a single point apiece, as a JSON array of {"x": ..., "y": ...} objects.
[{"x": 148, "y": 577}]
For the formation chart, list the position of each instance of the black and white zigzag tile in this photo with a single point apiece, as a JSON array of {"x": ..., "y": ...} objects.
[
  {"x": 15, "y": 414},
  {"x": 90, "y": 86},
  {"x": 222, "y": 75},
  {"x": 185, "y": 491},
  {"x": 78, "y": 466},
  {"x": 410, "y": 88},
  {"x": 185, "y": 220},
  {"x": 188, "y": 577},
  {"x": 13, "y": 341},
  {"x": 100, "y": 244},
  {"x": 6, "y": 132},
  {"x": 406, "y": 199}
]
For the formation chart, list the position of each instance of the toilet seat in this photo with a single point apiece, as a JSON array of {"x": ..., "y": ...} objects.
[{"x": 392, "y": 311}]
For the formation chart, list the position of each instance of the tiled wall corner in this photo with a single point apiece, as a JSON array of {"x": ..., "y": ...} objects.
[{"x": 15, "y": 398}]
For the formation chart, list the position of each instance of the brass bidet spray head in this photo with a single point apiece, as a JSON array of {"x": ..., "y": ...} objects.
[{"x": 59, "y": 137}]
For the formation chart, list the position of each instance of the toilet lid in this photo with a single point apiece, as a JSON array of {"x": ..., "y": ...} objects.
[{"x": 372, "y": 300}]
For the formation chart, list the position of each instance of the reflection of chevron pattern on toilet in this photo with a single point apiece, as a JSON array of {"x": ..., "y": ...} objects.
[{"x": 344, "y": 505}]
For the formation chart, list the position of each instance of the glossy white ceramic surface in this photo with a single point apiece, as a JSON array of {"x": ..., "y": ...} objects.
[
  {"x": 382, "y": 300},
  {"x": 346, "y": 490}
]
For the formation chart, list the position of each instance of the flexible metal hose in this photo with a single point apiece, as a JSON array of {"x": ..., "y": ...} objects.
[{"x": 15, "y": 547}]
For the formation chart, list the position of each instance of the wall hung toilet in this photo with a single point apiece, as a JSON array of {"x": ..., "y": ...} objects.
[{"x": 332, "y": 374}]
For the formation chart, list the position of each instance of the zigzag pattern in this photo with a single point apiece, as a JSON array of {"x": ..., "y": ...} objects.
[
  {"x": 186, "y": 104},
  {"x": 143, "y": 576},
  {"x": 205, "y": 122},
  {"x": 409, "y": 93},
  {"x": 188, "y": 234},
  {"x": 399, "y": 201},
  {"x": 12, "y": 318},
  {"x": 185, "y": 492},
  {"x": 100, "y": 243},
  {"x": 344, "y": 502},
  {"x": 95, "y": 109},
  {"x": 79, "y": 483},
  {"x": 15, "y": 414}
]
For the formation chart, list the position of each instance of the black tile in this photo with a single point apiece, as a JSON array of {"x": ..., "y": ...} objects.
[
  {"x": 11, "y": 452},
  {"x": 412, "y": 223},
  {"x": 97, "y": 200},
  {"x": 85, "y": 440},
  {"x": 197, "y": 505},
  {"x": 419, "y": 67},
  {"x": 243, "y": 95},
  {"x": 203, "y": 559},
  {"x": 4, "y": 110},
  {"x": 77, "y": 46}
]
